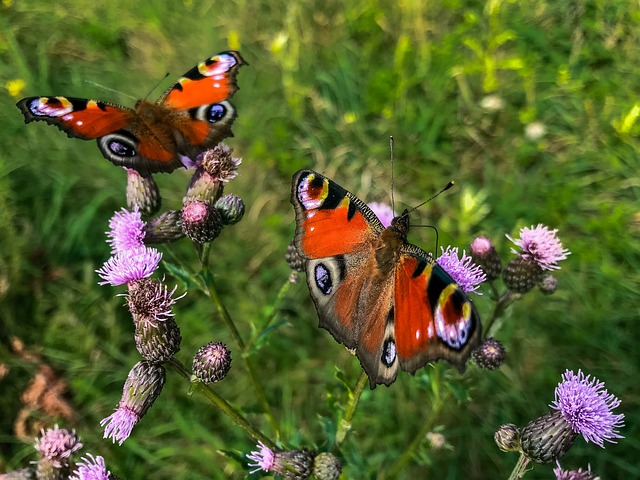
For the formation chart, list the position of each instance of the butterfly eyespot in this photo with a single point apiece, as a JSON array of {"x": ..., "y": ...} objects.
[
  {"x": 323, "y": 279},
  {"x": 118, "y": 146},
  {"x": 388, "y": 352},
  {"x": 214, "y": 113}
]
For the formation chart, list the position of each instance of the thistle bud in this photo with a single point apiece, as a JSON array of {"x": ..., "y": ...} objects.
[
  {"x": 142, "y": 192},
  {"x": 327, "y": 466},
  {"x": 521, "y": 274},
  {"x": 212, "y": 362},
  {"x": 507, "y": 437},
  {"x": 484, "y": 255},
  {"x": 547, "y": 438},
  {"x": 490, "y": 354},
  {"x": 165, "y": 228},
  {"x": 201, "y": 222},
  {"x": 231, "y": 209},
  {"x": 293, "y": 258}
]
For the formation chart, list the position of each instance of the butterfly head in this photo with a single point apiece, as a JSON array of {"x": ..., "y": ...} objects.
[{"x": 401, "y": 224}]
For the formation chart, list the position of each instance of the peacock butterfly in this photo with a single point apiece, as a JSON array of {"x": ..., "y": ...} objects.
[
  {"x": 377, "y": 294},
  {"x": 193, "y": 115}
]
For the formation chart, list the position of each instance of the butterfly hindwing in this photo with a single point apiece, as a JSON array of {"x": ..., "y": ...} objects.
[{"x": 434, "y": 318}]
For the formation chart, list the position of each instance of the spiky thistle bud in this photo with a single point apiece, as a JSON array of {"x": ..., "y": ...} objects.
[
  {"x": 143, "y": 193},
  {"x": 293, "y": 258},
  {"x": 212, "y": 362},
  {"x": 231, "y": 208},
  {"x": 327, "y": 466},
  {"x": 490, "y": 354},
  {"x": 507, "y": 437},
  {"x": 165, "y": 228},
  {"x": 485, "y": 256},
  {"x": 201, "y": 221}
]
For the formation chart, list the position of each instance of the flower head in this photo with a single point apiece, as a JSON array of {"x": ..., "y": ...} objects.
[
  {"x": 151, "y": 301},
  {"x": 507, "y": 437},
  {"x": 490, "y": 354},
  {"x": 130, "y": 265},
  {"x": 383, "y": 211},
  {"x": 485, "y": 256},
  {"x": 573, "y": 474},
  {"x": 126, "y": 231},
  {"x": 327, "y": 466},
  {"x": 201, "y": 221},
  {"x": 262, "y": 459},
  {"x": 231, "y": 208},
  {"x": 91, "y": 468},
  {"x": 587, "y": 406},
  {"x": 143, "y": 385},
  {"x": 291, "y": 464},
  {"x": 540, "y": 245},
  {"x": 212, "y": 362},
  {"x": 219, "y": 163},
  {"x": 463, "y": 271},
  {"x": 57, "y": 445}
]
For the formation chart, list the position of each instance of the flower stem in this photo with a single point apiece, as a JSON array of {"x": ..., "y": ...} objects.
[
  {"x": 439, "y": 402},
  {"x": 354, "y": 398},
  {"x": 212, "y": 292},
  {"x": 223, "y": 405},
  {"x": 501, "y": 305},
  {"x": 271, "y": 314},
  {"x": 520, "y": 469}
]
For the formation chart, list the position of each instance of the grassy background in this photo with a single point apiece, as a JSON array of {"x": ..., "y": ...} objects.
[{"x": 328, "y": 82}]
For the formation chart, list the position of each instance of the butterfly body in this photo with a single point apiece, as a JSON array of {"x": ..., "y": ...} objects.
[
  {"x": 380, "y": 296},
  {"x": 193, "y": 115}
]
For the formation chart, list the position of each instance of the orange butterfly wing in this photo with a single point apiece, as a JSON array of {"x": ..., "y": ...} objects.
[
  {"x": 374, "y": 292},
  {"x": 433, "y": 318},
  {"x": 192, "y": 116}
]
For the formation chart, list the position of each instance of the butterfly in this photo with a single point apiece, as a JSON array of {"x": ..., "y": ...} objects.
[
  {"x": 193, "y": 115},
  {"x": 377, "y": 294}
]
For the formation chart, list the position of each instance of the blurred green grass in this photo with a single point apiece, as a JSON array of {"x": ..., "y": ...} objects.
[{"x": 327, "y": 84}]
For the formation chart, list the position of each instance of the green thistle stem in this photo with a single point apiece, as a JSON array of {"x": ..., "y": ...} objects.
[
  {"x": 223, "y": 405},
  {"x": 427, "y": 426},
  {"x": 224, "y": 313},
  {"x": 501, "y": 305},
  {"x": 354, "y": 398},
  {"x": 271, "y": 314},
  {"x": 520, "y": 469}
]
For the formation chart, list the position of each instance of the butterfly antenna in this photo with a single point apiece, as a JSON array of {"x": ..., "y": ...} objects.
[
  {"x": 444, "y": 189},
  {"x": 109, "y": 89},
  {"x": 156, "y": 85},
  {"x": 393, "y": 204}
]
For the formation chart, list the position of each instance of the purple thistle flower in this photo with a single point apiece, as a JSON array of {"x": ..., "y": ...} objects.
[
  {"x": 587, "y": 406},
  {"x": 91, "y": 468},
  {"x": 463, "y": 271},
  {"x": 540, "y": 245},
  {"x": 151, "y": 301},
  {"x": 573, "y": 474},
  {"x": 263, "y": 459},
  {"x": 383, "y": 211},
  {"x": 126, "y": 266},
  {"x": 119, "y": 425},
  {"x": 126, "y": 231},
  {"x": 143, "y": 385},
  {"x": 57, "y": 444}
]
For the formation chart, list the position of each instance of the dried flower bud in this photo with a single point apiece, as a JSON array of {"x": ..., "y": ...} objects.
[
  {"x": 142, "y": 192},
  {"x": 484, "y": 255},
  {"x": 507, "y": 437},
  {"x": 201, "y": 222},
  {"x": 327, "y": 466},
  {"x": 293, "y": 258},
  {"x": 212, "y": 362},
  {"x": 489, "y": 354}
]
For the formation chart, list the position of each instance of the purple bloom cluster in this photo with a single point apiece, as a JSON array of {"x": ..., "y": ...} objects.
[
  {"x": 540, "y": 245},
  {"x": 58, "y": 444},
  {"x": 587, "y": 406},
  {"x": 91, "y": 468},
  {"x": 465, "y": 273}
]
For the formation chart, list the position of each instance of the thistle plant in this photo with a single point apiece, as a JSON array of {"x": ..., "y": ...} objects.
[{"x": 135, "y": 236}]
